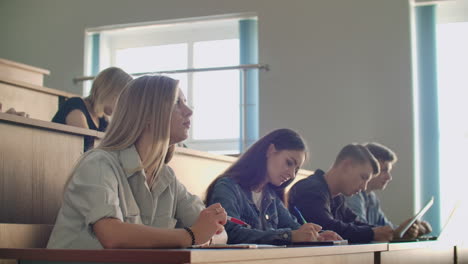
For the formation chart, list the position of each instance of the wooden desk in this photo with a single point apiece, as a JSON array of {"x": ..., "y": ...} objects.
[
  {"x": 19, "y": 71},
  {"x": 417, "y": 252},
  {"x": 36, "y": 158},
  {"x": 336, "y": 254},
  {"x": 39, "y": 102},
  {"x": 462, "y": 254}
]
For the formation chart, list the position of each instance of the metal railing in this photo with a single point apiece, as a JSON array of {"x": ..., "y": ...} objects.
[
  {"x": 243, "y": 69},
  {"x": 226, "y": 68}
]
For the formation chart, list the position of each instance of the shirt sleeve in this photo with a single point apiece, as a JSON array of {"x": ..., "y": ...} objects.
[
  {"x": 188, "y": 206},
  {"x": 381, "y": 219},
  {"x": 357, "y": 204},
  {"x": 92, "y": 191},
  {"x": 315, "y": 207},
  {"x": 225, "y": 193}
]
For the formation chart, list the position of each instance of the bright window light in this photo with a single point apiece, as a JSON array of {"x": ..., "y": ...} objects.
[
  {"x": 452, "y": 43},
  {"x": 216, "y": 94},
  {"x": 158, "y": 58},
  {"x": 213, "y": 95}
]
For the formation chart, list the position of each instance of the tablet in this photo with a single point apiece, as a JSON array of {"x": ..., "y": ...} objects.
[{"x": 417, "y": 217}]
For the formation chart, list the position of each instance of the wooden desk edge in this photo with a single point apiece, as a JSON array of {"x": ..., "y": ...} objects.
[
  {"x": 419, "y": 244},
  {"x": 207, "y": 155},
  {"x": 278, "y": 253},
  {"x": 9, "y": 118},
  {"x": 104, "y": 255},
  {"x": 180, "y": 255},
  {"x": 24, "y": 66},
  {"x": 38, "y": 88}
]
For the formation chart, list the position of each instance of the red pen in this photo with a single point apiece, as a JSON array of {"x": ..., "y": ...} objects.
[{"x": 238, "y": 221}]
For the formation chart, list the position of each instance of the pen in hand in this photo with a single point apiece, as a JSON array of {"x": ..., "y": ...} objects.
[
  {"x": 238, "y": 221},
  {"x": 303, "y": 219},
  {"x": 300, "y": 215}
]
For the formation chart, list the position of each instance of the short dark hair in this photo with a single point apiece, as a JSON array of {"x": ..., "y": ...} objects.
[
  {"x": 358, "y": 153},
  {"x": 381, "y": 152}
]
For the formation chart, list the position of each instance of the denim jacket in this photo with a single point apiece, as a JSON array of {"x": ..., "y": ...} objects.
[{"x": 271, "y": 225}]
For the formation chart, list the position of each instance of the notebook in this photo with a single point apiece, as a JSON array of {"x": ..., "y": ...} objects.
[
  {"x": 319, "y": 243},
  {"x": 235, "y": 246}
]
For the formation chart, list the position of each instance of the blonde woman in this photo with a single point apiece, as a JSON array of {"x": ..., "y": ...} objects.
[
  {"x": 93, "y": 112},
  {"x": 122, "y": 194}
]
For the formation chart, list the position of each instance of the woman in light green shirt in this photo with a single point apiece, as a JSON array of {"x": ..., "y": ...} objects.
[{"x": 122, "y": 194}]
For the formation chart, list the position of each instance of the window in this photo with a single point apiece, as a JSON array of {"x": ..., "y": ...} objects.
[
  {"x": 214, "y": 95},
  {"x": 452, "y": 43}
]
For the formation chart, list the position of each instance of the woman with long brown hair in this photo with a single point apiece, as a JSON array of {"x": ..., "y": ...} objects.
[{"x": 252, "y": 190}]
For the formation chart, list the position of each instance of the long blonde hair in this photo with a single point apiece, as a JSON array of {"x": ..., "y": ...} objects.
[
  {"x": 108, "y": 83},
  {"x": 147, "y": 100}
]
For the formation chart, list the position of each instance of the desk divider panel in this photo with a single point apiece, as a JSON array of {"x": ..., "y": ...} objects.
[{"x": 19, "y": 71}]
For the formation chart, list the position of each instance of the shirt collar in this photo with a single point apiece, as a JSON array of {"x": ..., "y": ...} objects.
[
  {"x": 321, "y": 176},
  {"x": 130, "y": 160}
]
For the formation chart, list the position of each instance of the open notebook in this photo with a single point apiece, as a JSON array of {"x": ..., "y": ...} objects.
[{"x": 319, "y": 243}]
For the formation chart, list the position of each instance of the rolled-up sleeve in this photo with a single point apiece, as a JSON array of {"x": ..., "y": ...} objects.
[
  {"x": 93, "y": 190},
  {"x": 188, "y": 206}
]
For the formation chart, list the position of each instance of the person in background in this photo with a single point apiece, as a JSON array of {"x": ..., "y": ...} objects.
[
  {"x": 320, "y": 197},
  {"x": 93, "y": 112},
  {"x": 122, "y": 194},
  {"x": 366, "y": 204},
  {"x": 252, "y": 190}
]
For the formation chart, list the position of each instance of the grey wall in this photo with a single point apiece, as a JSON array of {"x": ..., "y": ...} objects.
[{"x": 340, "y": 70}]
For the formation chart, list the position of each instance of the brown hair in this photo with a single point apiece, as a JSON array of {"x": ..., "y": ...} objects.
[
  {"x": 249, "y": 171},
  {"x": 381, "y": 152}
]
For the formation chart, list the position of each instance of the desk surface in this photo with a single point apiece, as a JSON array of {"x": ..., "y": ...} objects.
[
  {"x": 419, "y": 245},
  {"x": 19, "y": 120},
  {"x": 184, "y": 255}
]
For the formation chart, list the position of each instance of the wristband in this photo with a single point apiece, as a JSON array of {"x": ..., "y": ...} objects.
[{"x": 191, "y": 234}]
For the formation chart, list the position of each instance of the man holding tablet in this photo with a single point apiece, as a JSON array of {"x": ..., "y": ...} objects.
[{"x": 366, "y": 204}]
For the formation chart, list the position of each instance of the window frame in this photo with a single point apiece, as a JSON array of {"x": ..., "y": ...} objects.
[{"x": 112, "y": 40}]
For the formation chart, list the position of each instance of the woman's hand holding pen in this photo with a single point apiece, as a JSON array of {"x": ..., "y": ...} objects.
[
  {"x": 210, "y": 222},
  {"x": 307, "y": 232}
]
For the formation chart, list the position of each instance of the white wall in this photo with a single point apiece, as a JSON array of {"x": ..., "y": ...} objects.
[
  {"x": 340, "y": 70},
  {"x": 452, "y": 12}
]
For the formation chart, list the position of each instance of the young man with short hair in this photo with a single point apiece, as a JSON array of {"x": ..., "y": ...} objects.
[
  {"x": 366, "y": 204},
  {"x": 320, "y": 197}
]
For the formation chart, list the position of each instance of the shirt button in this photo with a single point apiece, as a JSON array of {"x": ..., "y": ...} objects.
[
  {"x": 285, "y": 235},
  {"x": 267, "y": 217}
]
